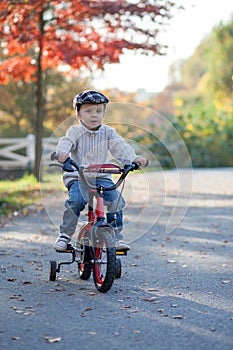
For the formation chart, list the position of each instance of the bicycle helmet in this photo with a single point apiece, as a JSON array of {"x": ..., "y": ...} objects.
[{"x": 89, "y": 97}]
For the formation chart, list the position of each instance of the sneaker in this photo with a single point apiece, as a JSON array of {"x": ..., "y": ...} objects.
[
  {"x": 61, "y": 242},
  {"x": 121, "y": 245}
]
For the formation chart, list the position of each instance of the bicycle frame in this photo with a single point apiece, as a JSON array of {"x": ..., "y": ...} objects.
[
  {"x": 99, "y": 210},
  {"x": 96, "y": 215}
]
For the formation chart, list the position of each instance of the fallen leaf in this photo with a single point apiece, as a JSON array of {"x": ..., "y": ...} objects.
[
  {"x": 26, "y": 282},
  {"x": 149, "y": 299},
  {"x": 53, "y": 340},
  {"x": 16, "y": 338},
  {"x": 152, "y": 289},
  {"x": 19, "y": 311},
  {"x": 133, "y": 311},
  {"x": 3, "y": 252},
  {"x": 15, "y": 296},
  {"x": 226, "y": 281}
]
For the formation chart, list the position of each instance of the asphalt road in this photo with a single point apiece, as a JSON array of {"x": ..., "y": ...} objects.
[{"x": 176, "y": 289}]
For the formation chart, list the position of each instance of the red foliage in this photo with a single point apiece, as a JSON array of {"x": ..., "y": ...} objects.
[{"x": 77, "y": 33}]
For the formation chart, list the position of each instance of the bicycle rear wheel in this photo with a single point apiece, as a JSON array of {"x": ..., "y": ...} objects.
[{"x": 104, "y": 266}]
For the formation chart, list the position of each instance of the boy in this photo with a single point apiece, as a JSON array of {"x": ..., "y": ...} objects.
[{"x": 88, "y": 143}]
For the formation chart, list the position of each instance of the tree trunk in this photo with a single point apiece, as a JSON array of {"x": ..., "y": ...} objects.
[{"x": 39, "y": 104}]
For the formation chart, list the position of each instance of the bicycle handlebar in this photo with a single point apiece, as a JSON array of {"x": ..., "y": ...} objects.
[{"x": 70, "y": 165}]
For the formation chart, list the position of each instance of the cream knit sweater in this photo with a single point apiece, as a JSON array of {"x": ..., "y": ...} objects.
[{"x": 94, "y": 147}]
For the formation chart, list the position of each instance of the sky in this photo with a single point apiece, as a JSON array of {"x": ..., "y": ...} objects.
[{"x": 184, "y": 33}]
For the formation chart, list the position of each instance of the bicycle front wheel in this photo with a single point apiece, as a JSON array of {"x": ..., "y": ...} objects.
[{"x": 104, "y": 266}]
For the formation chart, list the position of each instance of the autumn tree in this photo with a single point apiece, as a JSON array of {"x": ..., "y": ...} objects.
[
  {"x": 16, "y": 104},
  {"x": 75, "y": 36},
  {"x": 221, "y": 67},
  {"x": 202, "y": 94}
]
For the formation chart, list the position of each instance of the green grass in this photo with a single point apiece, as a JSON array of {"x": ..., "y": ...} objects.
[{"x": 18, "y": 194}]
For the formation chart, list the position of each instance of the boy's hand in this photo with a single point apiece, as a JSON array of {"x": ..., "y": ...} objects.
[
  {"x": 62, "y": 157},
  {"x": 142, "y": 161}
]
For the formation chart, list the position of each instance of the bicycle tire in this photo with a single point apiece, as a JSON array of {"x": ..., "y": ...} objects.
[
  {"x": 53, "y": 270},
  {"x": 104, "y": 270},
  {"x": 118, "y": 268}
]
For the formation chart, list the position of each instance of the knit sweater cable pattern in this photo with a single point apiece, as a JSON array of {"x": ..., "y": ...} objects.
[{"x": 94, "y": 147}]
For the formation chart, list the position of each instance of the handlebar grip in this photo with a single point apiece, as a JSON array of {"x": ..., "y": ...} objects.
[
  {"x": 136, "y": 165},
  {"x": 54, "y": 156},
  {"x": 68, "y": 166}
]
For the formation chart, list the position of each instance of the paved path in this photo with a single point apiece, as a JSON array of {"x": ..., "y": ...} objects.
[{"x": 176, "y": 291}]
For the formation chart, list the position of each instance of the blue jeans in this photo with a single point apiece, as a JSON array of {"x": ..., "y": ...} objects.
[{"x": 79, "y": 197}]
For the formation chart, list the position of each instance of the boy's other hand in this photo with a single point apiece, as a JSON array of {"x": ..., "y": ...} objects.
[
  {"x": 62, "y": 157},
  {"x": 142, "y": 161}
]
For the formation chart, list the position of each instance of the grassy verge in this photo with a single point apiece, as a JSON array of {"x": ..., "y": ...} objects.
[{"x": 19, "y": 194}]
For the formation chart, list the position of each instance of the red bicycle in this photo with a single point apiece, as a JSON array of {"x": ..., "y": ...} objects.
[{"x": 95, "y": 250}]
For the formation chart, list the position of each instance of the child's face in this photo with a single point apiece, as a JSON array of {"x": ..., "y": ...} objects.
[{"x": 92, "y": 115}]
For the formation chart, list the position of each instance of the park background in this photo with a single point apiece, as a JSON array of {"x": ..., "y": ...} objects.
[
  {"x": 176, "y": 287},
  {"x": 181, "y": 69}
]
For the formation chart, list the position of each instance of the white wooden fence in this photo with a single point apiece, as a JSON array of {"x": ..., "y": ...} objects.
[{"x": 19, "y": 153}]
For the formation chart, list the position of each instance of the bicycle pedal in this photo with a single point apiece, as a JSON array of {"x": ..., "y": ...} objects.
[
  {"x": 68, "y": 250},
  {"x": 122, "y": 252}
]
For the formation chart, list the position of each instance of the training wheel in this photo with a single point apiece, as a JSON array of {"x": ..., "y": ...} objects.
[
  {"x": 53, "y": 270},
  {"x": 118, "y": 268}
]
